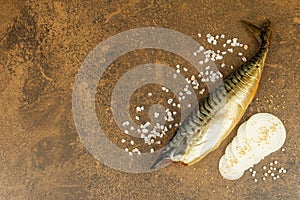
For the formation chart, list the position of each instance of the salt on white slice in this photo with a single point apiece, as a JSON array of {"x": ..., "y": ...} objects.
[
  {"x": 240, "y": 153},
  {"x": 227, "y": 172},
  {"x": 266, "y": 130},
  {"x": 247, "y": 155}
]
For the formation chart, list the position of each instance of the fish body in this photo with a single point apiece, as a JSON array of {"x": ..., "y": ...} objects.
[{"x": 217, "y": 114}]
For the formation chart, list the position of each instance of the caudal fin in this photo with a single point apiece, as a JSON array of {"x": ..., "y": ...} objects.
[{"x": 262, "y": 34}]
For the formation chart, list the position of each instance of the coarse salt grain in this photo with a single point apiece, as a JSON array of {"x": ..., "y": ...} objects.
[
  {"x": 264, "y": 167},
  {"x": 126, "y": 123},
  {"x": 149, "y": 94},
  {"x": 123, "y": 140}
]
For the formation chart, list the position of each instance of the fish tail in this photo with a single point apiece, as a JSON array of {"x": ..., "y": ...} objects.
[{"x": 262, "y": 34}]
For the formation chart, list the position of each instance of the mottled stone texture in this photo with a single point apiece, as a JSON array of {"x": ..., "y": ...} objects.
[{"x": 42, "y": 46}]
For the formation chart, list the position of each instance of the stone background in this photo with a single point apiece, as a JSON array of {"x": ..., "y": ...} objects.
[{"x": 42, "y": 46}]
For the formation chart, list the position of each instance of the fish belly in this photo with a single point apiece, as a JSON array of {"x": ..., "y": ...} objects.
[{"x": 218, "y": 128}]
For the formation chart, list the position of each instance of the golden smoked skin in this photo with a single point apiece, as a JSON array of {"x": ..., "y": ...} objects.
[
  {"x": 226, "y": 118},
  {"x": 209, "y": 124}
]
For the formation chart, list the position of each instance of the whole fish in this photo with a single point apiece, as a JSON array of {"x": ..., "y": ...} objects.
[{"x": 217, "y": 114}]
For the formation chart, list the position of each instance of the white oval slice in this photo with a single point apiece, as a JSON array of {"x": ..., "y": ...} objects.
[
  {"x": 261, "y": 135},
  {"x": 265, "y": 133},
  {"x": 240, "y": 152},
  {"x": 227, "y": 172},
  {"x": 241, "y": 135}
]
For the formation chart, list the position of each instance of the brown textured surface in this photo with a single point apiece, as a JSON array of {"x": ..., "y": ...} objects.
[{"x": 42, "y": 45}]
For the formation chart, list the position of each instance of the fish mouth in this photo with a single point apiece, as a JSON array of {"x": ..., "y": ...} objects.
[{"x": 162, "y": 161}]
